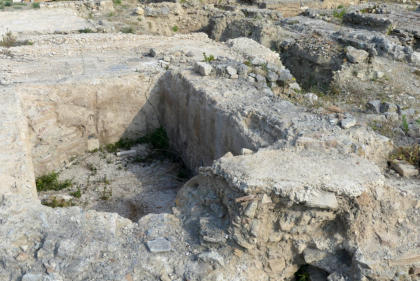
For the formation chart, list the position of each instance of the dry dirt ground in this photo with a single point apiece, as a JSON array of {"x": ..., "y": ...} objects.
[{"x": 131, "y": 185}]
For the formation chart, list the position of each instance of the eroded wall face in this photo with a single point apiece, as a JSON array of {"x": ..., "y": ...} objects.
[
  {"x": 70, "y": 118},
  {"x": 16, "y": 170},
  {"x": 198, "y": 128}
]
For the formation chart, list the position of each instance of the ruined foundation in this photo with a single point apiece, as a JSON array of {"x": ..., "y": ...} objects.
[{"x": 274, "y": 187}]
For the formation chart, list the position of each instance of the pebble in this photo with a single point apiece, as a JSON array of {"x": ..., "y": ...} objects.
[{"x": 348, "y": 122}]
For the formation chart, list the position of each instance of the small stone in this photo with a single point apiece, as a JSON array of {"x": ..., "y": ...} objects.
[
  {"x": 388, "y": 107},
  {"x": 333, "y": 121},
  {"x": 378, "y": 74},
  {"x": 272, "y": 76},
  {"x": 190, "y": 54},
  {"x": 152, "y": 52},
  {"x": 404, "y": 168},
  {"x": 322, "y": 200},
  {"x": 415, "y": 57},
  {"x": 131, "y": 152},
  {"x": 237, "y": 252},
  {"x": 266, "y": 199},
  {"x": 243, "y": 69},
  {"x": 373, "y": 106},
  {"x": 231, "y": 71},
  {"x": 295, "y": 86},
  {"x": 203, "y": 68},
  {"x": 164, "y": 277},
  {"x": 255, "y": 226},
  {"x": 355, "y": 55},
  {"x": 348, "y": 122},
  {"x": 258, "y": 61},
  {"x": 212, "y": 256},
  {"x": 246, "y": 151},
  {"x": 267, "y": 92},
  {"x": 227, "y": 155},
  {"x": 335, "y": 277},
  {"x": 284, "y": 75},
  {"x": 260, "y": 78},
  {"x": 159, "y": 245},
  {"x": 139, "y": 11},
  {"x": 251, "y": 209},
  {"x": 391, "y": 116},
  {"x": 311, "y": 97}
]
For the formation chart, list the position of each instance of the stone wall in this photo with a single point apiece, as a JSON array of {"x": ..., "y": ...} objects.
[{"x": 16, "y": 170}]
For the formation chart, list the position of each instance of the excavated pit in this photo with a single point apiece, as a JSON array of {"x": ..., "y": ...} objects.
[{"x": 132, "y": 185}]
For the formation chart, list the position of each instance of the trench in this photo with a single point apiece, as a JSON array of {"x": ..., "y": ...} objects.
[{"x": 114, "y": 160}]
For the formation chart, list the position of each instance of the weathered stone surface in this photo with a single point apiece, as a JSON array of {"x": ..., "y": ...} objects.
[
  {"x": 93, "y": 144},
  {"x": 42, "y": 21},
  {"x": 356, "y": 56},
  {"x": 374, "y": 106},
  {"x": 348, "y": 122},
  {"x": 203, "y": 68},
  {"x": 337, "y": 175},
  {"x": 16, "y": 169},
  {"x": 211, "y": 257},
  {"x": 404, "y": 168},
  {"x": 159, "y": 245},
  {"x": 256, "y": 53}
]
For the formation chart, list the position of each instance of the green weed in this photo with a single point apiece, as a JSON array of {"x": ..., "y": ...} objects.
[
  {"x": 127, "y": 29},
  {"x": 404, "y": 124},
  {"x": 86, "y": 30},
  {"x": 208, "y": 58},
  {"x": 54, "y": 203},
  {"x": 76, "y": 194},
  {"x": 339, "y": 13},
  {"x": 51, "y": 182}
]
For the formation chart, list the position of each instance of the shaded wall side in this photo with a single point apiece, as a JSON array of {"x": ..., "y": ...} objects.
[{"x": 199, "y": 129}]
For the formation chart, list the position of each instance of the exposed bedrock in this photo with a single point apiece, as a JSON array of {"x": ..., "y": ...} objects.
[
  {"x": 287, "y": 209},
  {"x": 64, "y": 118}
]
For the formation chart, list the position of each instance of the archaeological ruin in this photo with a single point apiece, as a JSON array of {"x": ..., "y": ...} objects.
[{"x": 260, "y": 140}]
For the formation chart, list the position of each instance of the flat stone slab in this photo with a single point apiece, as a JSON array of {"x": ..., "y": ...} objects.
[
  {"x": 159, "y": 245},
  {"x": 42, "y": 21},
  {"x": 310, "y": 177},
  {"x": 404, "y": 168}
]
